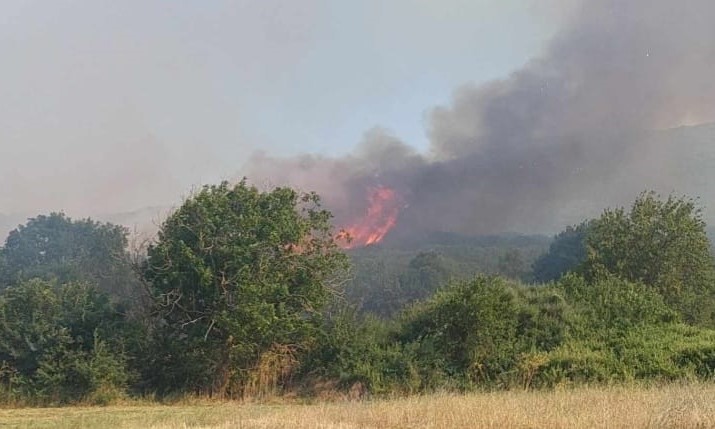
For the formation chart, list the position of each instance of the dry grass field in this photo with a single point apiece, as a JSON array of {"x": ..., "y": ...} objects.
[{"x": 675, "y": 406}]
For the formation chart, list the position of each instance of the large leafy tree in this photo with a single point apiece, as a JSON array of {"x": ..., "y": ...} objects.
[
  {"x": 56, "y": 247},
  {"x": 237, "y": 273},
  {"x": 661, "y": 243}
]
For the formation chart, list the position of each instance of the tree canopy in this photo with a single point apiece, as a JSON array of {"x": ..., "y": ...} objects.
[
  {"x": 56, "y": 247},
  {"x": 661, "y": 243},
  {"x": 566, "y": 253},
  {"x": 236, "y": 273}
]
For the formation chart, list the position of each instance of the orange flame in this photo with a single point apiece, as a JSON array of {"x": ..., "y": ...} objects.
[{"x": 384, "y": 206}]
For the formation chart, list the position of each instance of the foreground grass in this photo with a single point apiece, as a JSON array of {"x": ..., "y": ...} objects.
[{"x": 674, "y": 406}]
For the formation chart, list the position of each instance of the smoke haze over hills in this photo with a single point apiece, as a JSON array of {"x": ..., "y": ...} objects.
[
  {"x": 571, "y": 132},
  {"x": 588, "y": 122}
]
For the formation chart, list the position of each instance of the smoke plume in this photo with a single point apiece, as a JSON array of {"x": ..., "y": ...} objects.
[{"x": 567, "y": 134}]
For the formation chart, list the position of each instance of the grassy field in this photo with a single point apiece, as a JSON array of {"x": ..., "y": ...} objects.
[{"x": 675, "y": 406}]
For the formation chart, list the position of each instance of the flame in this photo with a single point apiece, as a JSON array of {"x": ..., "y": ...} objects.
[{"x": 383, "y": 207}]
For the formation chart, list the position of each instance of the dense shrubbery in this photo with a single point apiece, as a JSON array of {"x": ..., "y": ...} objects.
[
  {"x": 242, "y": 298},
  {"x": 474, "y": 332},
  {"x": 490, "y": 333},
  {"x": 60, "y": 343}
]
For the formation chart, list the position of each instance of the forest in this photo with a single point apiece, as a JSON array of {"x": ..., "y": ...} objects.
[{"x": 250, "y": 293}]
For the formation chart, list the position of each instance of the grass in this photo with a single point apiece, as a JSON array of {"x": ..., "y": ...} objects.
[{"x": 670, "y": 406}]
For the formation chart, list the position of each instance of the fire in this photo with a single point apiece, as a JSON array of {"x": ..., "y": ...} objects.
[{"x": 383, "y": 207}]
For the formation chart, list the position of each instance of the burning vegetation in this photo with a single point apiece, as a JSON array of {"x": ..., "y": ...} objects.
[{"x": 384, "y": 206}]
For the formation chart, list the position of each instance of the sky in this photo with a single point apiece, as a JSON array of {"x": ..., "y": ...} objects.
[{"x": 112, "y": 106}]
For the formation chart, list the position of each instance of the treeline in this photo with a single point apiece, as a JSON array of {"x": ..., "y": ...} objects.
[
  {"x": 247, "y": 293},
  {"x": 387, "y": 277}
]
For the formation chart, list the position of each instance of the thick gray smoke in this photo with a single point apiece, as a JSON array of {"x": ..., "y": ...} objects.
[{"x": 573, "y": 131}]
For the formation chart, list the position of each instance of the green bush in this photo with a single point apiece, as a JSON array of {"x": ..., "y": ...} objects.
[
  {"x": 645, "y": 354},
  {"x": 612, "y": 304},
  {"x": 476, "y": 333},
  {"x": 55, "y": 343},
  {"x": 619, "y": 331},
  {"x": 351, "y": 350}
]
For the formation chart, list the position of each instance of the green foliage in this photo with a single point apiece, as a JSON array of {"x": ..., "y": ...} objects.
[
  {"x": 388, "y": 289},
  {"x": 544, "y": 316},
  {"x": 612, "y": 304},
  {"x": 566, "y": 253},
  {"x": 352, "y": 350},
  {"x": 425, "y": 273},
  {"x": 512, "y": 265},
  {"x": 235, "y": 272},
  {"x": 57, "y": 247},
  {"x": 646, "y": 353},
  {"x": 475, "y": 332},
  {"x": 388, "y": 278},
  {"x": 619, "y": 331},
  {"x": 245, "y": 285},
  {"x": 59, "y": 343},
  {"x": 662, "y": 244}
]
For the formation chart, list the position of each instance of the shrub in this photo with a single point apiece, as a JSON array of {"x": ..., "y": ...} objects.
[
  {"x": 55, "y": 343},
  {"x": 351, "y": 350},
  {"x": 476, "y": 333}
]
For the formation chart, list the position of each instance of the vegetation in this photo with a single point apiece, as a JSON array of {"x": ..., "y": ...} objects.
[
  {"x": 387, "y": 278},
  {"x": 245, "y": 293},
  {"x": 669, "y": 406},
  {"x": 662, "y": 244},
  {"x": 238, "y": 276},
  {"x": 566, "y": 253},
  {"x": 59, "y": 344},
  {"x": 54, "y": 247}
]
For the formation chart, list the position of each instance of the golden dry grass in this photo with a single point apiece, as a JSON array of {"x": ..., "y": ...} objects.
[{"x": 674, "y": 406}]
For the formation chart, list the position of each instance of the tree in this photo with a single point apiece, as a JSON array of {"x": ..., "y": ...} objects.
[
  {"x": 425, "y": 273},
  {"x": 662, "y": 244},
  {"x": 468, "y": 329},
  {"x": 566, "y": 253},
  {"x": 59, "y": 343},
  {"x": 237, "y": 274},
  {"x": 57, "y": 247},
  {"x": 511, "y": 265}
]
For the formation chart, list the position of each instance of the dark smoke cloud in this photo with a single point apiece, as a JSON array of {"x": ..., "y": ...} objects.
[{"x": 568, "y": 134}]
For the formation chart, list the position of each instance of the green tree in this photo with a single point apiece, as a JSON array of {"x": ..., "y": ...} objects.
[
  {"x": 659, "y": 243},
  {"x": 59, "y": 343},
  {"x": 57, "y": 247},
  {"x": 237, "y": 273},
  {"x": 511, "y": 265},
  {"x": 425, "y": 273},
  {"x": 566, "y": 253}
]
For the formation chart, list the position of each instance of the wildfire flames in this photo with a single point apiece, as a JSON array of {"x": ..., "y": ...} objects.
[{"x": 383, "y": 208}]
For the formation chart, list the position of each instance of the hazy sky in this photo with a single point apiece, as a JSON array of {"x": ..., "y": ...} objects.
[{"x": 110, "y": 106}]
